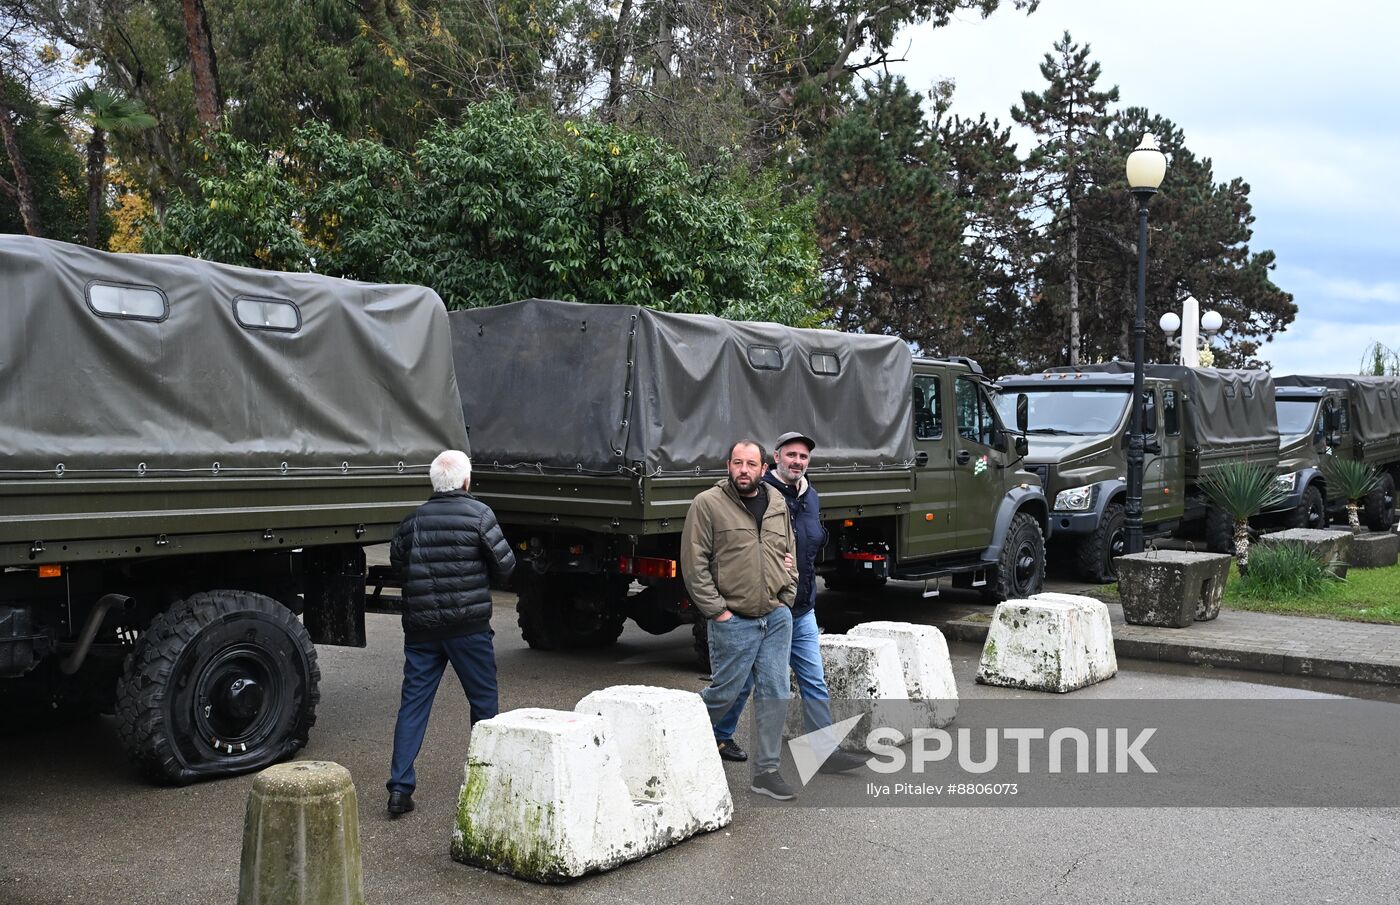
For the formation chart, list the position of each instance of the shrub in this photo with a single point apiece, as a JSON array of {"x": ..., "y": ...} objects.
[{"x": 1287, "y": 570}]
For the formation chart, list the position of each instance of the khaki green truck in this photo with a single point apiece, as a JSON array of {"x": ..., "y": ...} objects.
[
  {"x": 192, "y": 457},
  {"x": 594, "y": 426},
  {"x": 1197, "y": 420},
  {"x": 1354, "y": 416}
]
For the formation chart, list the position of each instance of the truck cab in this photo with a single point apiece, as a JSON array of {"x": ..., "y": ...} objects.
[{"x": 1312, "y": 422}]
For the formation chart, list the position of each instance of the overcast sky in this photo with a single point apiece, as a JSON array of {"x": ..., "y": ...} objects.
[{"x": 1302, "y": 104}]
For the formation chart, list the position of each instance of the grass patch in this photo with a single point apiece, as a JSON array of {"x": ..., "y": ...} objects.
[{"x": 1365, "y": 595}]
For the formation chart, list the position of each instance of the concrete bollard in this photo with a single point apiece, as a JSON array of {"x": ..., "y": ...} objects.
[
  {"x": 301, "y": 837},
  {"x": 543, "y": 798},
  {"x": 665, "y": 745},
  {"x": 865, "y": 679},
  {"x": 1171, "y": 588},
  {"x": 1327, "y": 544},
  {"x": 1048, "y": 645},
  {"x": 1376, "y": 550},
  {"x": 927, "y": 666}
]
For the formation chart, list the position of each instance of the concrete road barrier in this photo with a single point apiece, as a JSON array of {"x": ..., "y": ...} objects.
[
  {"x": 927, "y": 666},
  {"x": 301, "y": 837},
  {"x": 1377, "y": 550},
  {"x": 1172, "y": 588},
  {"x": 865, "y": 679},
  {"x": 1048, "y": 644}
]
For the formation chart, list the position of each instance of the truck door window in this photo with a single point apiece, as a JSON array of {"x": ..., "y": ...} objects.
[
  {"x": 928, "y": 408},
  {"x": 975, "y": 421},
  {"x": 1149, "y": 412},
  {"x": 1170, "y": 419}
]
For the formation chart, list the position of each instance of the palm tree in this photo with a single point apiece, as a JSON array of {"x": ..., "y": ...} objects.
[
  {"x": 1350, "y": 480},
  {"x": 102, "y": 112},
  {"x": 1242, "y": 490}
]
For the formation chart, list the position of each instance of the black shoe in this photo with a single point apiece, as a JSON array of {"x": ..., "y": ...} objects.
[
  {"x": 400, "y": 803},
  {"x": 730, "y": 750},
  {"x": 842, "y": 762},
  {"x": 773, "y": 785}
]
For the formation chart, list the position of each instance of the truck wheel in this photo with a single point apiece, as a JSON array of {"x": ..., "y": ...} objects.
[
  {"x": 1311, "y": 511},
  {"x": 1220, "y": 530},
  {"x": 563, "y": 611},
  {"x": 1021, "y": 567},
  {"x": 1095, "y": 553},
  {"x": 700, "y": 636},
  {"x": 1379, "y": 514},
  {"x": 224, "y": 682}
]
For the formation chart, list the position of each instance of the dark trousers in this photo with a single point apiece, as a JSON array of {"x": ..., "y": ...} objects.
[{"x": 474, "y": 660}]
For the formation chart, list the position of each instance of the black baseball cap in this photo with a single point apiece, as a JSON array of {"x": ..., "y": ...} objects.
[{"x": 794, "y": 435}]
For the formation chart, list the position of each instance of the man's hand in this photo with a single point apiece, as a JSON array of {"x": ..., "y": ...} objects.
[
  {"x": 787, "y": 562},
  {"x": 724, "y": 617}
]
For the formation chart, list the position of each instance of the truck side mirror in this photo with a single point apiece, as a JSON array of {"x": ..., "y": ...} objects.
[
  {"x": 1023, "y": 412},
  {"x": 1021, "y": 445}
]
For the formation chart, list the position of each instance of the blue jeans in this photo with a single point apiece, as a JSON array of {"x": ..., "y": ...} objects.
[
  {"x": 752, "y": 653},
  {"x": 473, "y": 659},
  {"x": 806, "y": 660}
]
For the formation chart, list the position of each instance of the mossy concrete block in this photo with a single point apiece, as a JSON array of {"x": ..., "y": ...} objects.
[
  {"x": 301, "y": 837},
  {"x": 1171, "y": 588},
  {"x": 865, "y": 679},
  {"x": 1054, "y": 645},
  {"x": 1331, "y": 546},
  {"x": 928, "y": 669},
  {"x": 1374, "y": 551},
  {"x": 543, "y": 798},
  {"x": 664, "y": 742}
]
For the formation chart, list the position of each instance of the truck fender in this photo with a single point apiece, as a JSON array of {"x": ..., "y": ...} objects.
[
  {"x": 1018, "y": 499},
  {"x": 1106, "y": 492}
]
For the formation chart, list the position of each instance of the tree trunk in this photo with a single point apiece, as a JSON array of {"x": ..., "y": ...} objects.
[
  {"x": 24, "y": 187},
  {"x": 1353, "y": 517},
  {"x": 1242, "y": 545},
  {"x": 1073, "y": 285},
  {"x": 203, "y": 69},
  {"x": 621, "y": 40},
  {"x": 96, "y": 174},
  {"x": 665, "y": 47}
]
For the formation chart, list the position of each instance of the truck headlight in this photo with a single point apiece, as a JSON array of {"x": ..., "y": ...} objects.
[
  {"x": 1287, "y": 482},
  {"x": 1076, "y": 499}
]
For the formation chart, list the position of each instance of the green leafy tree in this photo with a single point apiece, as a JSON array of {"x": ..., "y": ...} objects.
[
  {"x": 509, "y": 204},
  {"x": 1350, "y": 480},
  {"x": 52, "y": 169},
  {"x": 100, "y": 112},
  {"x": 1242, "y": 490},
  {"x": 1070, "y": 120}
]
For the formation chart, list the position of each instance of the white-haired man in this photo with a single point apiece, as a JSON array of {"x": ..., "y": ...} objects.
[{"x": 446, "y": 552}]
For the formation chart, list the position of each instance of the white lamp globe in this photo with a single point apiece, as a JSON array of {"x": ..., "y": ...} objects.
[
  {"x": 1211, "y": 321},
  {"x": 1170, "y": 323},
  {"x": 1147, "y": 164}
]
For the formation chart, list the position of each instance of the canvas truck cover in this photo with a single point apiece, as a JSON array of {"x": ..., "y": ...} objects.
[
  {"x": 1228, "y": 413},
  {"x": 212, "y": 363},
  {"x": 603, "y": 389},
  {"x": 1375, "y": 401}
]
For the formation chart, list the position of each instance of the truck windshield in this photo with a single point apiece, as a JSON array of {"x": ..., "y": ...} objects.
[
  {"x": 1296, "y": 416},
  {"x": 1082, "y": 410}
]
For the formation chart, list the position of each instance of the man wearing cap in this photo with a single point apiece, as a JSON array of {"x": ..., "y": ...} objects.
[
  {"x": 736, "y": 558},
  {"x": 788, "y": 477}
]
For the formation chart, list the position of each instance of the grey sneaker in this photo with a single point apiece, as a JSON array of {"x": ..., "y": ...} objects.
[
  {"x": 842, "y": 762},
  {"x": 773, "y": 785}
]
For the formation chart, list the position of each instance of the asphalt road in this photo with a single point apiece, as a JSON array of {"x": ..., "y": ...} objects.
[{"x": 77, "y": 825}]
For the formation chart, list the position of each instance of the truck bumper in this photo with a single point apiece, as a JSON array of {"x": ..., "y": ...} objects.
[{"x": 1075, "y": 524}]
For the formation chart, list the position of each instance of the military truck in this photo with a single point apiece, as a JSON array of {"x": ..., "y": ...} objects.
[
  {"x": 593, "y": 427},
  {"x": 1196, "y": 420},
  {"x": 192, "y": 458},
  {"x": 1341, "y": 414}
]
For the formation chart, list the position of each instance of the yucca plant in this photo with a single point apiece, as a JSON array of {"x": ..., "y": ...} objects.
[
  {"x": 1242, "y": 490},
  {"x": 1350, "y": 480}
]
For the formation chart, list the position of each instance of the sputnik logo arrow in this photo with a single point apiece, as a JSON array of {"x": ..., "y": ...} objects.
[{"x": 810, "y": 751}]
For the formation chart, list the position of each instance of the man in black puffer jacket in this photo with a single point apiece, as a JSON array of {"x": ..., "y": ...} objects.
[{"x": 446, "y": 553}]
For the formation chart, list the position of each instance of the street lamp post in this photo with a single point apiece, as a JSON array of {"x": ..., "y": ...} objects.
[{"x": 1146, "y": 167}]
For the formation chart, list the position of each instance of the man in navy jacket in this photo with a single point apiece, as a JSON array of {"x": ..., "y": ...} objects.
[
  {"x": 791, "y": 456},
  {"x": 446, "y": 553}
]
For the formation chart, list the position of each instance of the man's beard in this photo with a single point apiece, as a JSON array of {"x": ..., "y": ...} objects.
[{"x": 742, "y": 491}]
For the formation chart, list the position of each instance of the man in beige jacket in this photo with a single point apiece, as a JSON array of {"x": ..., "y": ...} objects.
[{"x": 737, "y": 556}]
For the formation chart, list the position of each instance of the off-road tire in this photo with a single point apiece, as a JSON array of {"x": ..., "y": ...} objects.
[
  {"x": 1220, "y": 530},
  {"x": 1094, "y": 554},
  {"x": 185, "y": 708},
  {"x": 700, "y": 638},
  {"x": 1311, "y": 511},
  {"x": 1020, "y": 569},
  {"x": 1378, "y": 513},
  {"x": 567, "y": 611}
]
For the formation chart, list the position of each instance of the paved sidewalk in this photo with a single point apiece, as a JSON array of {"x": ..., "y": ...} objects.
[{"x": 1291, "y": 645}]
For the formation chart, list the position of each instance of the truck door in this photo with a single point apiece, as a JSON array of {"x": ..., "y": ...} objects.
[
  {"x": 929, "y": 528},
  {"x": 978, "y": 464},
  {"x": 1164, "y": 482}
]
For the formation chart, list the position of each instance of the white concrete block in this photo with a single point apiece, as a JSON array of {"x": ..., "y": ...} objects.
[
  {"x": 663, "y": 739},
  {"x": 927, "y": 666},
  {"x": 544, "y": 798},
  {"x": 862, "y": 674},
  {"x": 1048, "y": 643}
]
